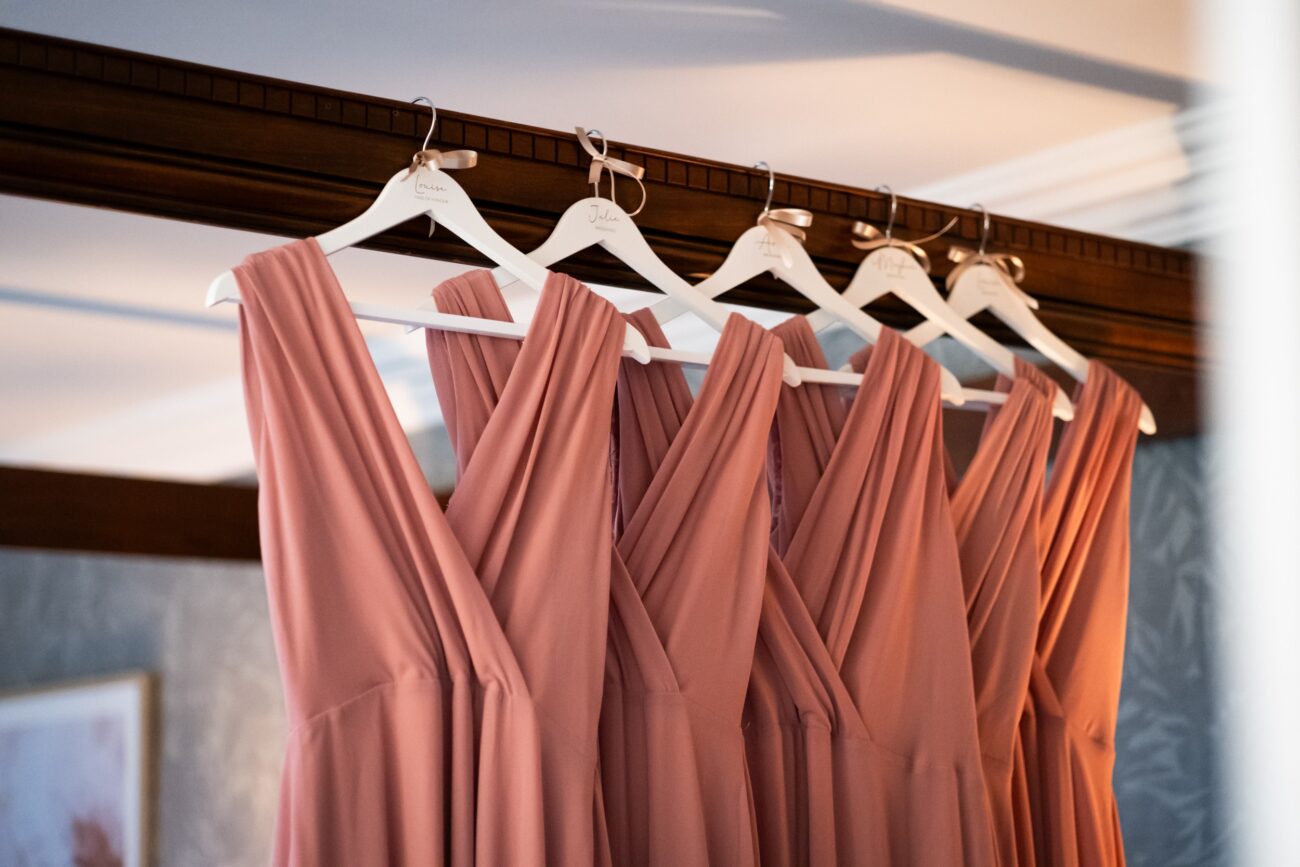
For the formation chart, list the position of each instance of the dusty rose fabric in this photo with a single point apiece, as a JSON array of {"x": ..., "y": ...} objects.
[
  {"x": 865, "y": 528},
  {"x": 803, "y": 736},
  {"x": 530, "y": 425},
  {"x": 653, "y": 793},
  {"x": 693, "y": 516},
  {"x": 997, "y": 507},
  {"x": 413, "y": 737},
  {"x": 810, "y": 756},
  {"x": 1068, "y": 729}
]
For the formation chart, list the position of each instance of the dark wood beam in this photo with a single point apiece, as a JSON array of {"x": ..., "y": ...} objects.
[
  {"x": 92, "y": 125},
  {"x": 118, "y": 515},
  {"x": 110, "y": 514}
]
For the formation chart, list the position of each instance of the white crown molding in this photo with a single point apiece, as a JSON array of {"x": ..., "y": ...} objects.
[{"x": 1139, "y": 182}]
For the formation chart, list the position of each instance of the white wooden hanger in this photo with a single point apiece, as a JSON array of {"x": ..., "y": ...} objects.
[
  {"x": 983, "y": 281},
  {"x": 425, "y": 188},
  {"x": 773, "y": 246},
  {"x": 596, "y": 221},
  {"x": 901, "y": 268}
]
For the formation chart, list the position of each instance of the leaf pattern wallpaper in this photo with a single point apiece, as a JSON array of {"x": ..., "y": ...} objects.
[
  {"x": 1169, "y": 734},
  {"x": 203, "y": 627}
]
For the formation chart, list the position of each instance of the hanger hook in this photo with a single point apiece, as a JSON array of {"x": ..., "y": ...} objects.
[
  {"x": 893, "y": 209},
  {"x": 433, "y": 121},
  {"x": 604, "y": 142},
  {"x": 771, "y": 184},
  {"x": 984, "y": 227}
]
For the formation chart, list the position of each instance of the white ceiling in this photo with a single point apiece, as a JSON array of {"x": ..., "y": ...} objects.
[{"x": 109, "y": 362}]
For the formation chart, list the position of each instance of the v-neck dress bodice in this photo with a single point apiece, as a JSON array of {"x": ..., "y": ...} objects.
[
  {"x": 530, "y": 426},
  {"x": 863, "y": 523},
  {"x": 1067, "y": 736},
  {"x": 997, "y": 508},
  {"x": 693, "y": 518},
  {"x": 413, "y": 739}
]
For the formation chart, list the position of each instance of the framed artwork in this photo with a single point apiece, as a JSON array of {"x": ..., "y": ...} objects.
[{"x": 74, "y": 773}]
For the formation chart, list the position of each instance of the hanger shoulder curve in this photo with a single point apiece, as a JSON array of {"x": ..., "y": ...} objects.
[{"x": 985, "y": 286}]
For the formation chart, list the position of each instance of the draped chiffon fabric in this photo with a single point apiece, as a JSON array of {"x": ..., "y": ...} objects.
[
  {"x": 763, "y": 625},
  {"x": 414, "y": 739},
  {"x": 803, "y": 737},
  {"x": 997, "y": 508},
  {"x": 865, "y": 528},
  {"x": 1067, "y": 737},
  {"x": 693, "y": 518},
  {"x": 530, "y": 426}
]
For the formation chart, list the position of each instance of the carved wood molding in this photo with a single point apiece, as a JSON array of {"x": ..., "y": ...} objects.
[{"x": 95, "y": 125}]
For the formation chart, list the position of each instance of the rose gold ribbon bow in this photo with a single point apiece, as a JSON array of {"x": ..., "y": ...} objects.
[
  {"x": 601, "y": 161},
  {"x": 1011, "y": 265},
  {"x": 436, "y": 159},
  {"x": 868, "y": 237},
  {"x": 792, "y": 221},
  {"x": 786, "y": 226}
]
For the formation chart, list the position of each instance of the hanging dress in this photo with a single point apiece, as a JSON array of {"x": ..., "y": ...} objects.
[
  {"x": 803, "y": 736},
  {"x": 865, "y": 528},
  {"x": 413, "y": 737},
  {"x": 530, "y": 426},
  {"x": 997, "y": 508},
  {"x": 693, "y": 517},
  {"x": 1068, "y": 729}
]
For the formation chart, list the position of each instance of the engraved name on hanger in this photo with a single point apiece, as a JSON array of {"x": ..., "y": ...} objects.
[
  {"x": 767, "y": 246},
  {"x": 429, "y": 191},
  {"x": 603, "y": 214},
  {"x": 893, "y": 261},
  {"x": 989, "y": 283}
]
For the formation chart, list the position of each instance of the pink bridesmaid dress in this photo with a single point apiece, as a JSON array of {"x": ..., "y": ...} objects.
[
  {"x": 693, "y": 518},
  {"x": 865, "y": 528},
  {"x": 530, "y": 426},
  {"x": 997, "y": 507},
  {"x": 1068, "y": 729},
  {"x": 413, "y": 738},
  {"x": 801, "y": 729}
]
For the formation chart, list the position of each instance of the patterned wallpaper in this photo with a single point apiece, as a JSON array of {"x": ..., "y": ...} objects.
[
  {"x": 204, "y": 627},
  {"x": 1166, "y": 773}
]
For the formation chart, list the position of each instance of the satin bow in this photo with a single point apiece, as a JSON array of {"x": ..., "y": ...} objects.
[
  {"x": 868, "y": 237},
  {"x": 436, "y": 159},
  {"x": 784, "y": 226},
  {"x": 1011, "y": 265},
  {"x": 601, "y": 161}
]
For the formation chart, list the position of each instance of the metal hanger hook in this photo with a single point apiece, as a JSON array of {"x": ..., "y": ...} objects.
[
  {"x": 984, "y": 227},
  {"x": 893, "y": 209},
  {"x": 604, "y": 142},
  {"x": 771, "y": 184},
  {"x": 433, "y": 121}
]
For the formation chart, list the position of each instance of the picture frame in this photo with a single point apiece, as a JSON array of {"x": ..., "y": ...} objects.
[{"x": 76, "y": 765}]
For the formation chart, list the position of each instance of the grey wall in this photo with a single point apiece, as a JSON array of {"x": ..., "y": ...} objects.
[
  {"x": 204, "y": 627},
  {"x": 1166, "y": 775}
]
